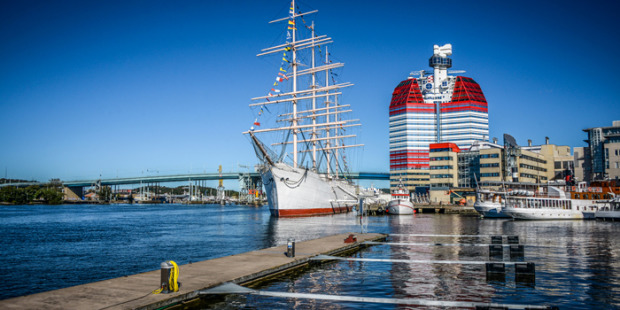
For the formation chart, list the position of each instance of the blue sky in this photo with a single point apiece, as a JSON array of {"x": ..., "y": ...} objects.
[{"x": 127, "y": 88}]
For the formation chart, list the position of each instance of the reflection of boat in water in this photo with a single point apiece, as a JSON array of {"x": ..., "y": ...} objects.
[
  {"x": 279, "y": 229},
  {"x": 490, "y": 203},
  {"x": 400, "y": 203},
  {"x": 609, "y": 211}
]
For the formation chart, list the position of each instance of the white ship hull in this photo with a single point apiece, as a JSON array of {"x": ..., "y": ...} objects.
[
  {"x": 490, "y": 209},
  {"x": 299, "y": 192},
  {"x": 608, "y": 215},
  {"x": 400, "y": 206},
  {"x": 547, "y": 214}
]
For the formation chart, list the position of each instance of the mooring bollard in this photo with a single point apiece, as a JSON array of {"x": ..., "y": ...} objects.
[
  {"x": 351, "y": 239},
  {"x": 290, "y": 247},
  {"x": 496, "y": 240},
  {"x": 513, "y": 239},
  {"x": 166, "y": 269}
]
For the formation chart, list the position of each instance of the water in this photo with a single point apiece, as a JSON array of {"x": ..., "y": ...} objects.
[{"x": 50, "y": 247}]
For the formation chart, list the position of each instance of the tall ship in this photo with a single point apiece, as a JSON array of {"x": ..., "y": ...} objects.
[{"x": 301, "y": 128}]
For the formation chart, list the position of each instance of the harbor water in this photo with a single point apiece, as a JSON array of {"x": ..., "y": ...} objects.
[{"x": 50, "y": 247}]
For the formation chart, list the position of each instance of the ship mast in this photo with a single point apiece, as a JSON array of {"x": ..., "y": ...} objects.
[
  {"x": 294, "y": 64},
  {"x": 313, "y": 135},
  {"x": 327, "y": 144},
  {"x": 317, "y": 121}
]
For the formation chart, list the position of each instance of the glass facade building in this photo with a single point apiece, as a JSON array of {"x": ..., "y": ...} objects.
[{"x": 433, "y": 108}]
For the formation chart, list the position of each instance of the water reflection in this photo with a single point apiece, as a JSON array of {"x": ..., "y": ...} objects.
[{"x": 577, "y": 262}]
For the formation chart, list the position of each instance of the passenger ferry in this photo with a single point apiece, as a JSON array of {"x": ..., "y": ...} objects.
[{"x": 568, "y": 203}]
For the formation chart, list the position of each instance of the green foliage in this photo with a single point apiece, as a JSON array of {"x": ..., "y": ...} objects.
[
  {"x": 105, "y": 193},
  {"x": 51, "y": 196},
  {"x": 30, "y": 194}
]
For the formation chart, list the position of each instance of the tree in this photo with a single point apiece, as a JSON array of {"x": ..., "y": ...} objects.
[
  {"x": 50, "y": 195},
  {"x": 105, "y": 193}
]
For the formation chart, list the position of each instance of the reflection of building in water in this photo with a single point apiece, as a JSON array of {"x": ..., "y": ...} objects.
[{"x": 453, "y": 282}]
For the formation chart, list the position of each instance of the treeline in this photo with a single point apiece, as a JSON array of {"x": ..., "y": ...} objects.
[{"x": 32, "y": 194}]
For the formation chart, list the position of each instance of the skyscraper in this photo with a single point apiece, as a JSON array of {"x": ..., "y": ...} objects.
[{"x": 433, "y": 108}]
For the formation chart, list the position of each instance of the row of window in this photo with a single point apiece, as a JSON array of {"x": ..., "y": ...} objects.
[
  {"x": 441, "y": 176},
  {"x": 486, "y": 175},
  {"x": 408, "y": 173},
  {"x": 441, "y": 158},
  {"x": 495, "y": 155},
  {"x": 532, "y": 167},
  {"x": 531, "y": 176},
  {"x": 407, "y": 168},
  {"x": 534, "y": 159},
  {"x": 490, "y": 165},
  {"x": 441, "y": 167},
  {"x": 406, "y": 157},
  {"x": 445, "y": 149}
]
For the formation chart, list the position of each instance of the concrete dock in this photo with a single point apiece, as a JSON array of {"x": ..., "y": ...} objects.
[{"x": 134, "y": 291}]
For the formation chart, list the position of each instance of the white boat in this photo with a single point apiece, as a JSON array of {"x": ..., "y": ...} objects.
[
  {"x": 609, "y": 211},
  {"x": 555, "y": 204},
  {"x": 303, "y": 107},
  {"x": 400, "y": 203},
  {"x": 490, "y": 204}
]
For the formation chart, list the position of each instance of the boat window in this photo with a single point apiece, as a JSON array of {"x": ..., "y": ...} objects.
[
  {"x": 585, "y": 196},
  {"x": 576, "y": 196}
]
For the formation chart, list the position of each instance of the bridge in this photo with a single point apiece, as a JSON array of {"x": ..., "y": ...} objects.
[{"x": 187, "y": 177}]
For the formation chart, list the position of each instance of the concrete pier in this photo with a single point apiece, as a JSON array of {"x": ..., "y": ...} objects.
[{"x": 134, "y": 292}]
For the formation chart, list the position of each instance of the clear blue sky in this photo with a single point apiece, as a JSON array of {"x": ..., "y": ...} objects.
[{"x": 124, "y": 88}]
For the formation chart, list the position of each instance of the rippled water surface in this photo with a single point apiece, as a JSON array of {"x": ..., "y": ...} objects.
[{"x": 50, "y": 247}]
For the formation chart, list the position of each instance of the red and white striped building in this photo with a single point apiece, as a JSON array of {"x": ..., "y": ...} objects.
[{"x": 433, "y": 108}]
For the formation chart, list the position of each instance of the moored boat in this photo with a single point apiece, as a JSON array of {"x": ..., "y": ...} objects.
[
  {"x": 490, "y": 203},
  {"x": 560, "y": 203},
  {"x": 609, "y": 211},
  {"x": 401, "y": 202},
  {"x": 303, "y": 107}
]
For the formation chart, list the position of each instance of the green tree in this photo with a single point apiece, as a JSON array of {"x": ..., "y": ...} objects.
[
  {"x": 105, "y": 193},
  {"x": 51, "y": 195}
]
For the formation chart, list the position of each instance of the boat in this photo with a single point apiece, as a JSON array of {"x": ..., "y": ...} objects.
[
  {"x": 303, "y": 111},
  {"x": 490, "y": 203},
  {"x": 400, "y": 203},
  {"x": 610, "y": 211},
  {"x": 559, "y": 203}
]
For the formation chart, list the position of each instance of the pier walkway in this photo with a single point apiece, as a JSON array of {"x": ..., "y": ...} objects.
[{"x": 134, "y": 292}]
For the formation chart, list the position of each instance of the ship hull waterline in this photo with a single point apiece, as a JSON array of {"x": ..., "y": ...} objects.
[
  {"x": 296, "y": 192},
  {"x": 490, "y": 210},
  {"x": 400, "y": 207}
]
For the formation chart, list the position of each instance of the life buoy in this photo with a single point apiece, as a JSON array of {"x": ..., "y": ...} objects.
[{"x": 574, "y": 188}]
